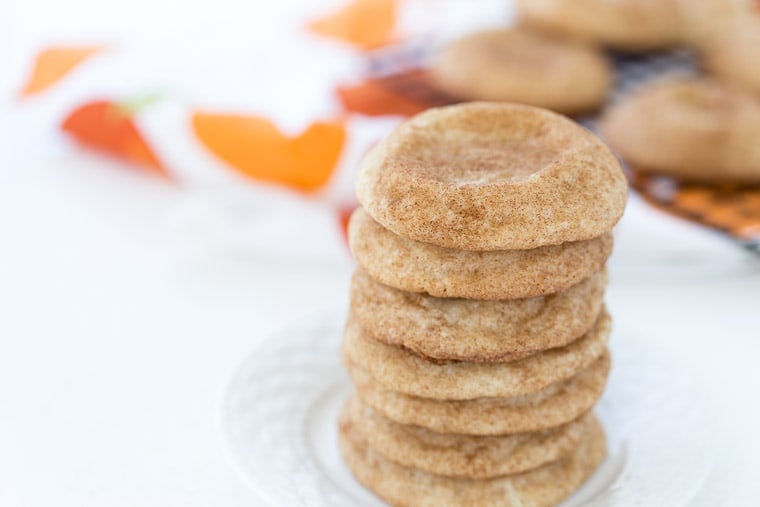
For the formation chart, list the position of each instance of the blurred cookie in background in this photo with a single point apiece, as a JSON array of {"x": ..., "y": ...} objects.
[
  {"x": 517, "y": 65},
  {"x": 634, "y": 26},
  {"x": 694, "y": 129},
  {"x": 734, "y": 54}
]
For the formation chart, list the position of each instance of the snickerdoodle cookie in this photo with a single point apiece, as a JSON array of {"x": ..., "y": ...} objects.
[
  {"x": 734, "y": 54},
  {"x": 406, "y": 487},
  {"x": 626, "y": 25},
  {"x": 445, "y": 272},
  {"x": 488, "y": 176},
  {"x": 552, "y": 406},
  {"x": 474, "y": 330},
  {"x": 396, "y": 369},
  {"x": 693, "y": 129},
  {"x": 517, "y": 65},
  {"x": 467, "y": 456}
]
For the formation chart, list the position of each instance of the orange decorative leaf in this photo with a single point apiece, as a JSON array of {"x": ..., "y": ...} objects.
[
  {"x": 255, "y": 147},
  {"x": 52, "y": 64},
  {"x": 108, "y": 127},
  {"x": 364, "y": 23},
  {"x": 375, "y": 100}
]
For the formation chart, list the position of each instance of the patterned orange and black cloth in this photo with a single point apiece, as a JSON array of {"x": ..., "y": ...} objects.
[{"x": 732, "y": 209}]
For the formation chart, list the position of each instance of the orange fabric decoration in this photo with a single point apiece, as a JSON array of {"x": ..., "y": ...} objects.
[
  {"x": 404, "y": 93},
  {"x": 372, "y": 99},
  {"x": 255, "y": 147},
  {"x": 52, "y": 64},
  {"x": 364, "y": 23},
  {"x": 108, "y": 127}
]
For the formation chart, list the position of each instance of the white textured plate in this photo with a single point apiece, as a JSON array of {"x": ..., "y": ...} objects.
[{"x": 281, "y": 408}]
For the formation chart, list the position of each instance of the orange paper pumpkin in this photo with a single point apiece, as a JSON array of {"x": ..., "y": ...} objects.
[
  {"x": 364, "y": 23},
  {"x": 52, "y": 64},
  {"x": 256, "y": 148},
  {"x": 108, "y": 126}
]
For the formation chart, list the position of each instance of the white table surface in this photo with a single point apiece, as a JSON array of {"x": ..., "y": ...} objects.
[{"x": 118, "y": 335}]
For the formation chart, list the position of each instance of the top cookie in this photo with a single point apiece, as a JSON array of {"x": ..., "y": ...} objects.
[
  {"x": 486, "y": 176},
  {"x": 525, "y": 67}
]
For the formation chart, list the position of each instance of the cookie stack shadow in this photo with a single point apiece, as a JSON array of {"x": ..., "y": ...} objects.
[{"x": 477, "y": 333}]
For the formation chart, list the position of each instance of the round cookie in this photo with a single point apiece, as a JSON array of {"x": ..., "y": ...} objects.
[
  {"x": 552, "y": 406},
  {"x": 734, "y": 55},
  {"x": 473, "y": 330},
  {"x": 692, "y": 129},
  {"x": 444, "y": 272},
  {"x": 626, "y": 25},
  {"x": 488, "y": 176},
  {"x": 467, "y": 456},
  {"x": 515, "y": 65},
  {"x": 396, "y": 369},
  {"x": 406, "y": 487}
]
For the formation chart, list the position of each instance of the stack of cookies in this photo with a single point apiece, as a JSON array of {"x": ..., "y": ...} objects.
[{"x": 477, "y": 335}]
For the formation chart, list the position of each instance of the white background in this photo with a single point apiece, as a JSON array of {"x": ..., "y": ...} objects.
[{"x": 118, "y": 332}]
